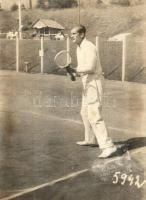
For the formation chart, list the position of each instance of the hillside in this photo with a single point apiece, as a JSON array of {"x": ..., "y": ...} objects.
[{"x": 103, "y": 21}]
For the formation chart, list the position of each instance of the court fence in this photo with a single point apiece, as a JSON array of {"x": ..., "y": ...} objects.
[{"x": 121, "y": 59}]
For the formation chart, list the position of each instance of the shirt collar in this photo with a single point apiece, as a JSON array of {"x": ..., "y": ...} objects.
[{"x": 82, "y": 43}]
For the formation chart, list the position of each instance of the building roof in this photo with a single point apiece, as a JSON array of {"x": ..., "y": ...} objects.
[{"x": 42, "y": 23}]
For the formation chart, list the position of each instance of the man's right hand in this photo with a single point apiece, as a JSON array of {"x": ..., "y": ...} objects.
[
  {"x": 71, "y": 72},
  {"x": 69, "y": 69}
]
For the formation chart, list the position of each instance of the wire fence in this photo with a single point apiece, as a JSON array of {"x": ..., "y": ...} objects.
[
  {"x": 123, "y": 60},
  {"x": 110, "y": 54},
  {"x": 120, "y": 60},
  {"x": 135, "y": 60},
  {"x": 29, "y": 54}
]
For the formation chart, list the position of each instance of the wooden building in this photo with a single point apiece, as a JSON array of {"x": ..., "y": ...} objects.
[{"x": 47, "y": 27}]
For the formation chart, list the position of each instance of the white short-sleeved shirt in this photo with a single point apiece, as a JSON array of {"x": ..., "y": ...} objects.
[{"x": 88, "y": 58}]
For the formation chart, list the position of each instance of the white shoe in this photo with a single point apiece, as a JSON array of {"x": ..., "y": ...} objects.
[
  {"x": 85, "y": 143},
  {"x": 108, "y": 152}
]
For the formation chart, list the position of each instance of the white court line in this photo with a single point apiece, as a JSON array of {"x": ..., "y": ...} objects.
[
  {"x": 110, "y": 160},
  {"x": 75, "y": 121},
  {"x": 139, "y": 150},
  {"x": 72, "y": 175},
  {"x": 128, "y": 131}
]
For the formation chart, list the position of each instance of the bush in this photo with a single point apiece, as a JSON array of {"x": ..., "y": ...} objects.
[
  {"x": 56, "y": 3},
  {"x": 62, "y": 3},
  {"x": 89, "y": 3},
  {"x": 14, "y": 7},
  {"x": 123, "y": 2},
  {"x": 23, "y": 7}
]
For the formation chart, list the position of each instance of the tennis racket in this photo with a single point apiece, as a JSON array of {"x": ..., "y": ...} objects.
[{"x": 63, "y": 61}]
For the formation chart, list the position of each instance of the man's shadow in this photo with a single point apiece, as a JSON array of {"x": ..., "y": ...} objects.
[
  {"x": 127, "y": 145},
  {"x": 130, "y": 144}
]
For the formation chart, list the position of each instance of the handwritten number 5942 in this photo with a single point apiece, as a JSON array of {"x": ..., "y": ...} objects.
[{"x": 121, "y": 178}]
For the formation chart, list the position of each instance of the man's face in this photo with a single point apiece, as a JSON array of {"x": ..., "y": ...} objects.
[{"x": 76, "y": 36}]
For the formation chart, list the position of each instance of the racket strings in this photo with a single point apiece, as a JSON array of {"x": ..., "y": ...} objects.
[{"x": 62, "y": 59}]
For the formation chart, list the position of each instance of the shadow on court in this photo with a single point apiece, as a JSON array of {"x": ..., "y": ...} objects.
[
  {"x": 39, "y": 127},
  {"x": 130, "y": 144},
  {"x": 133, "y": 143}
]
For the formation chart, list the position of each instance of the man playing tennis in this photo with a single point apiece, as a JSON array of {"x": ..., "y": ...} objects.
[{"x": 89, "y": 69}]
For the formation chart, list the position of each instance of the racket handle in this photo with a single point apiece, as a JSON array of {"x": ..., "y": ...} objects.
[
  {"x": 71, "y": 73},
  {"x": 72, "y": 76}
]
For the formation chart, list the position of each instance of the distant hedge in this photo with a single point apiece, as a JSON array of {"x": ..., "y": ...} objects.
[
  {"x": 56, "y": 3},
  {"x": 124, "y": 2}
]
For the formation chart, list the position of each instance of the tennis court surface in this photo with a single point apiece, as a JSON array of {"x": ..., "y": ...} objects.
[{"x": 39, "y": 126}]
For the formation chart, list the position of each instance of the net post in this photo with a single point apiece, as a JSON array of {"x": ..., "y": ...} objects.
[
  {"x": 124, "y": 43},
  {"x": 68, "y": 48},
  {"x": 17, "y": 52},
  {"x": 42, "y": 55}
]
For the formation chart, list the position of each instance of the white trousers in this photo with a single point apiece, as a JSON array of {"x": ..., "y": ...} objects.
[{"x": 95, "y": 129}]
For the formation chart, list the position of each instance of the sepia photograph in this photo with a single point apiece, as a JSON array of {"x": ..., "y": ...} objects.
[{"x": 72, "y": 100}]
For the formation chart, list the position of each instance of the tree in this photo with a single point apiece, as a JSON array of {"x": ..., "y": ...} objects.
[{"x": 30, "y": 4}]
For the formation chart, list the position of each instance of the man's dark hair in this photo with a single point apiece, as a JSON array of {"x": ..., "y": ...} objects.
[{"x": 81, "y": 29}]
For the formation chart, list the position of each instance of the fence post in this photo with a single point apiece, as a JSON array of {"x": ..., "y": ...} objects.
[
  {"x": 17, "y": 53},
  {"x": 20, "y": 20},
  {"x": 97, "y": 47},
  {"x": 124, "y": 43},
  {"x": 68, "y": 49},
  {"x": 97, "y": 43},
  {"x": 41, "y": 52}
]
